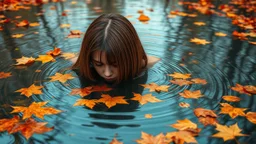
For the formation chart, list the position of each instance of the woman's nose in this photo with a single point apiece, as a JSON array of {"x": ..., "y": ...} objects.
[{"x": 107, "y": 71}]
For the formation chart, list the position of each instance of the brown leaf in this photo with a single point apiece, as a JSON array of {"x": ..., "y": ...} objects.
[
  {"x": 33, "y": 89},
  {"x": 179, "y": 75},
  {"x": 155, "y": 87},
  {"x": 251, "y": 116},
  {"x": 228, "y": 132},
  {"x": 150, "y": 139},
  {"x": 55, "y": 52},
  {"x": 36, "y": 109},
  {"x": 5, "y": 75},
  {"x": 191, "y": 94},
  {"x": 231, "y": 98},
  {"x": 61, "y": 77},
  {"x": 232, "y": 111},
  {"x": 205, "y": 116},
  {"x": 110, "y": 101},
  {"x": 145, "y": 99}
]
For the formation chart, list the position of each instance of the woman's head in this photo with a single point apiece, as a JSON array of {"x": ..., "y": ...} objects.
[{"x": 112, "y": 47}]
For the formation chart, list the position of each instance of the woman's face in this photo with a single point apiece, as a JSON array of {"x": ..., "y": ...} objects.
[{"x": 108, "y": 71}]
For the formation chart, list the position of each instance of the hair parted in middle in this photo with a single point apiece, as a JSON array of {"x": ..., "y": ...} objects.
[{"x": 116, "y": 36}]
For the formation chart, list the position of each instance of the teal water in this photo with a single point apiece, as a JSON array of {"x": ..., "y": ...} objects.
[{"x": 223, "y": 63}]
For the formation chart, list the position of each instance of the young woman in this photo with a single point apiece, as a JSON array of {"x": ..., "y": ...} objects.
[{"x": 111, "y": 49}]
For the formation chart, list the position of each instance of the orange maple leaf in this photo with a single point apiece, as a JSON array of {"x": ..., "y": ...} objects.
[
  {"x": 115, "y": 141},
  {"x": 239, "y": 88},
  {"x": 228, "y": 132},
  {"x": 199, "y": 41},
  {"x": 24, "y": 60},
  {"x": 231, "y": 98},
  {"x": 155, "y": 87},
  {"x": 22, "y": 23},
  {"x": 5, "y": 75},
  {"x": 30, "y": 126},
  {"x": 8, "y": 124},
  {"x": 56, "y": 51},
  {"x": 191, "y": 94},
  {"x": 112, "y": 101},
  {"x": 36, "y": 109},
  {"x": 199, "y": 81},
  {"x": 150, "y": 139},
  {"x": 89, "y": 103},
  {"x": 61, "y": 77},
  {"x": 45, "y": 58},
  {"x": 33, "y": 89},
  {"x": 179, "y": 137},
  {"x": 145, "y": 99},
  {"x": 143, "y": 18},
  {"x": 205, "y": 116},
  {"x": 82, "y": 91},
  {"x": 251, "y": 116},
  {"x": 250, "y": 89},
  {"x": 179, "y": 75},
  {"x": 181, "y": 82},
  {"x": 232, "y": 111},
  {"x": 68, "y": 55},
  {"x": 184, "y": 125}
]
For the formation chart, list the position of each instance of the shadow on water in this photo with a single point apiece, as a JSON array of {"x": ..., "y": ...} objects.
[{"x": 223, "y": 63}]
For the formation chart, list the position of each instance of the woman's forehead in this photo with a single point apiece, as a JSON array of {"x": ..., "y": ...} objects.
[{"x": 100, "y": 55}]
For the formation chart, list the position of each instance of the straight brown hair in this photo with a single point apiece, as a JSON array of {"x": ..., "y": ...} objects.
[{"x": 115, "y": 35}]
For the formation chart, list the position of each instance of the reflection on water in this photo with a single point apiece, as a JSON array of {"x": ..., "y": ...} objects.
[{"x": 223, "y": 63}]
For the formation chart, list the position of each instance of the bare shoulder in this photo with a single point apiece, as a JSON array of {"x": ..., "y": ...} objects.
[
  {"x": 73, "y": 60},
  {"x": 152, "y": 60}
]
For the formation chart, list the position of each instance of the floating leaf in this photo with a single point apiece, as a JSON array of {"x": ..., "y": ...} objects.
[
  {"x": 115, "y": 141},
  {"x": 184, "y": 125},
  {"x": 184, "y": 104},
  {"x": 110, "y": 101},
  {"x": 228, "y": 132},
  {"x": 180, "y": 137},
  {"x": 65, "y": 25},
  {"x": 33, "y": 89},
  {"x": 205, "y": 116},
  {"x": 30, "y": 127},
  {"x": 239, "y": 88},
  {"x": 8, "y": 124},
  {"x": 36, "y": 109},
  {"x": 24, "y": 60},
  {"x": 145, "y": 99},
  {"x": 45, "y": 58},
  {"x": 250, "y": 89},
  {"x": 89, "y": 103},
  {"x": 199, "y": 41},
  {"x": 5, "y": 75},
  {"x": 82, "y": 91},
  {"x": 61, "y": 77},
  {"x": 17, "y": 35},
  {"x": 220, "y": 34},
  {"x": 155, "y": 87},
  {"x": 191, "y": 94},
  {"x": 199, "y": 23},
  {"x": 143, "y": 18},
  {"x": 251, "y": 116},
  {"x": 22, "y": 23},
  {"x": 55, "y": 52},
  {"x": 149, "y": 116},
  {"x": 181, "y": 82},
  {"x": 231, "y": 98},
  {"x": 150, "y": 139},
  {"x": 199, "y": 81},
  {"x": 34, "y": 24},
  {"x": 68, "y": 55},
  {"x": 232, "y": 111},
  {"x": 179, "y": 75}
]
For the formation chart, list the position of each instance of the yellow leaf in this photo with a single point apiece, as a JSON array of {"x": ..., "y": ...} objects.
[
  {"x": 180, "y": 137},
  {"x": 61, "y": 77},
  {"x": 24, "y": 60},
  {"x": 231, "y": 98},
  {"x": 184, "y": 125},
  {"x": 228, "y": 132},
  {"x": 220, "y": 34},
  {"x": 149, "y": 116},
  {"x": 155, "y": 87},
  {"x": 180, "y": 75},
  {"x": 232, "y": 111},
  {"x": 199, "y": 41},
  {"x": 17, "y": 35},
  {"x": 34, "y": 24},
  {"x": 65, "y": 25},
  {"x": 68, "y": 55},
  {"x": 199, "y": 23},
  {"x": 45, "y": 58},
  {"x": 181, "y": 82}
]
